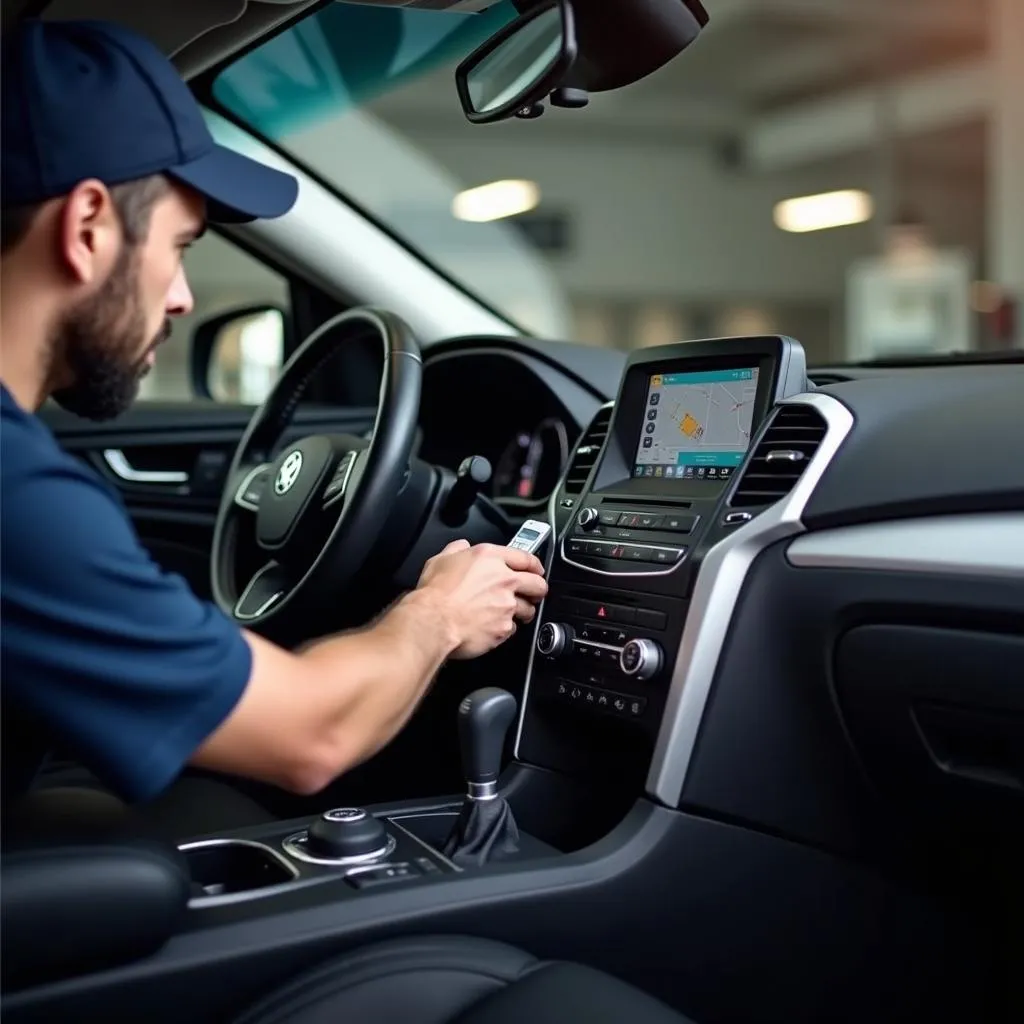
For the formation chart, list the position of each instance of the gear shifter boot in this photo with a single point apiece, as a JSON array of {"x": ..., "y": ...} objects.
[
  {"x": 486, "y": 828},
  {"x": 485, "y": 831}
]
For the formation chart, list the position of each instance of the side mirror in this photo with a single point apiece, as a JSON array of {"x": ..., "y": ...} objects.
[
  {"x": 519, "y": 66},
  {"x": 237, "y": 356}
]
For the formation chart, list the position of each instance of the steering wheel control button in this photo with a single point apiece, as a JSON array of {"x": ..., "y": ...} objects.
[
  {"x": 587, "y": 518},
  {"x": 345, "y": 835},
  {"x": 250, "y": 492},
  {"x": 339, "y": 482},
  {"x": 553, "y": 638},
  {"x": 641, "y": 659}
]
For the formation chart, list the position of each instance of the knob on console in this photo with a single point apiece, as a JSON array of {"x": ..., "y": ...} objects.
[
  {"x": 553, "y": 639},
  {"x": 346, "y": 832},
  {"x": 641, "y": 659},
  {"x": 587, "y": 518}
]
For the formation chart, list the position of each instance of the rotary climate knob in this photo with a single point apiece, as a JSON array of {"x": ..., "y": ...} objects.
[
  {"x": 641, "y": 659},
  {"x": 553, "y": 638},
  {"x": 587, "y": 519}
]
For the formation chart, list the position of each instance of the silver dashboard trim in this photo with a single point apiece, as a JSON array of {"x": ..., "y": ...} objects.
[
  {"x": 553, "y": 546},
  {"x": 988, "y": 543},
  {"x": 244, "y": 486},
  {"x": 717, "y": 588},
  {"x": 224, "y": 899}
]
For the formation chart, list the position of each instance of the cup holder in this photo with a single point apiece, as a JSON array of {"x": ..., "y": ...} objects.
[{"x": 225, "y": 870}]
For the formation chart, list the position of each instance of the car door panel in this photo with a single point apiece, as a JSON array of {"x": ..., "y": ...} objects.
[{"x": 169, "y": 461}]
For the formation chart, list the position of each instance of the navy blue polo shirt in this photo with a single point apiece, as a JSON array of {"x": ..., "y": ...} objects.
[{"x": 107, "y": 654}]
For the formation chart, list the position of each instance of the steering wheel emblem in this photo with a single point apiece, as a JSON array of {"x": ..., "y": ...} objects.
[{"x": 288, "y": 473}]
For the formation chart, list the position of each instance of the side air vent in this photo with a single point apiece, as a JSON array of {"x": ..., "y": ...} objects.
[
  {"x": 587, "y": 451},
  {"x": 780, "y": 458}
]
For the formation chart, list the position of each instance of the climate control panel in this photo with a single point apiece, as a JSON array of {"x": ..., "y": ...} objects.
[{"x": 606, "y": 653}]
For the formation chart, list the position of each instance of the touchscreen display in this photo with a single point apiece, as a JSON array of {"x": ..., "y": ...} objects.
[{"x": 696, "y": 425}]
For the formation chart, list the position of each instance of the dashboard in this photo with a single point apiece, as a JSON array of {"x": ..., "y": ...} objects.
[
  {"x": 781, "y": 597},
  {"x": 508, "y": 407}
]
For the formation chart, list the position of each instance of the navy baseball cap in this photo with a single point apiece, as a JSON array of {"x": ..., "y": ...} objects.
[{"x": 92, "y": 99}]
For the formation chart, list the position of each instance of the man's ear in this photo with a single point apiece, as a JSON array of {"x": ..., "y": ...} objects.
[{"x": 90, "y": 232}]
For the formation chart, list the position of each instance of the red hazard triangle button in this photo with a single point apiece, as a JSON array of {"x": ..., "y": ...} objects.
[{"x": 602, "y": 613}]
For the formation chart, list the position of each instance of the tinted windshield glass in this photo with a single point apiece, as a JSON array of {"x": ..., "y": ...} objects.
[{"x": 846, "y": 173}]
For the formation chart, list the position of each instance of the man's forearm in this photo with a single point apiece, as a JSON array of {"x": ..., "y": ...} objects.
[
  {"x": 378, "y": 676},
  {"x": 306, "y": 718}
]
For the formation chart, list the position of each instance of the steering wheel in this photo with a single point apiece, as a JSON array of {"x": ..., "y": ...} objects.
[{"x": 318, "y": 507}]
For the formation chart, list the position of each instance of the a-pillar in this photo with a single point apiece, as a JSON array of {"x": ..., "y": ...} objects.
[{"x": 1006, "y": 157}]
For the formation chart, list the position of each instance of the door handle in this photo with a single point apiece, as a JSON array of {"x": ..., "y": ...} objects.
[{"x": 119, "y": 465}]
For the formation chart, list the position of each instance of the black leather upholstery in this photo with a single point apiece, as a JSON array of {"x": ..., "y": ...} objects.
[
  {"x": 455, "y": 980},
  {"x": 76, "y": 908}
]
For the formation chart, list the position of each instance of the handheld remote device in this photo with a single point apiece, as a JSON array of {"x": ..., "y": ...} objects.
[{"x": 531, "y": 536}]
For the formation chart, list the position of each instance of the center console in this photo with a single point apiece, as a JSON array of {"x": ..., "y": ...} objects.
[
  {"x": 630, "y": 546},
  {"x": 591, "y": 845}
]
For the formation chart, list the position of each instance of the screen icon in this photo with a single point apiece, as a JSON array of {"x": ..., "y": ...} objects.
[
  {"x": 658, "y": 471},
  {"x": 700, "y": 472},
  {"x": 648, "y": 441},
  {"x": 689, "y": 472}
]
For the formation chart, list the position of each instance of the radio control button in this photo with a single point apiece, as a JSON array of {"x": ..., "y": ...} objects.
[
  {"x": 587, "y": 518},
  {"x": 678, "y": 524},
  {"x": 665, "y": 556}
]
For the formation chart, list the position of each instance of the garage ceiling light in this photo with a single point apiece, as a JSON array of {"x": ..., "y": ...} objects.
[
  {"x": 497, "y": 200},
  {"x": 827, "y": 210}
]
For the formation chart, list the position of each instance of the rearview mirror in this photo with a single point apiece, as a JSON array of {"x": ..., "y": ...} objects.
[{"x": 520, "y": 65}]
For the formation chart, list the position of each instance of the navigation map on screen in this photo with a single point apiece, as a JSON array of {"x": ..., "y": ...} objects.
[{"x": 696, "y": 424}]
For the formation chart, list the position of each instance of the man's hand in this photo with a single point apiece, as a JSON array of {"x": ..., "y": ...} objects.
[{"x": 481, "y": 592}]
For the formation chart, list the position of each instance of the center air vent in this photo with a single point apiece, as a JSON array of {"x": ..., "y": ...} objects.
[
  {"x": 587, "y": 451},
  {"x": 780, "y": 458}
]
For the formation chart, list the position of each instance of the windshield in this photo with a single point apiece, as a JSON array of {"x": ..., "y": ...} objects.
[{"x": 829, "y": 175}]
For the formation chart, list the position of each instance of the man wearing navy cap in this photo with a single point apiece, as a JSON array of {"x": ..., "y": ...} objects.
[{"x": 108, "y": 174}]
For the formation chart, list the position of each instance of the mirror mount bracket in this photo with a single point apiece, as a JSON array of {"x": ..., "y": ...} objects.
[{"x": 570, "y": 98}]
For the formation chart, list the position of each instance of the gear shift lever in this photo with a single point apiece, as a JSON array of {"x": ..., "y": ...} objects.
[
  {"x": 484, "y": 718},
  {"x": 485, "y": 827}
]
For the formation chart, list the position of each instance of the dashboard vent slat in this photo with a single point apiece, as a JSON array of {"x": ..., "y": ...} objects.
[
  {"x": 587, "y": 451},
  {"x": 780, "y": 458}
]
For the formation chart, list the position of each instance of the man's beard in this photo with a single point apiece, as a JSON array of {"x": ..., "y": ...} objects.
[{"x": 99, "y": 346}]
